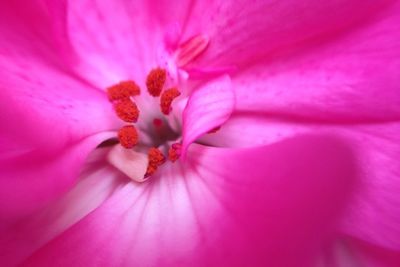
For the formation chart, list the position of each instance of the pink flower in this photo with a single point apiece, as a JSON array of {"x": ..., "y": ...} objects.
[{"x": 302, "y": 172}]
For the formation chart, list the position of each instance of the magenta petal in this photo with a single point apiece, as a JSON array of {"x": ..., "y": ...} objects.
[
  {"x": 46, "y": 116},
  {"x": 115, "y": 40},
  {"x": 58, "y": 12},
  {"x": 350, "y": 78},
  {"x": 31, "y": 179},
  {"x": 26, "y": 29},
  {"x": 377, "y": 149},
  {"x": 241, "y": 33},
  {"x": 20, "y": 238},
  {"x": 208, "y": 107},
  {"x": 45, "y": 108},
  {"x": 370, "y": 255},
  {"x": 229, "y": 207}
]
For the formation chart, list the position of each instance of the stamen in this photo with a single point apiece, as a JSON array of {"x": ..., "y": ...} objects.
[
  {"x": 155, "y": 81},
  {"x": 166, "y": 99},
  {"x": 128, "y": 136},
  {"x": 191, "y": 49},
  {"x": 127, "y": 110},
  {"x": 156, "y": 159},
  {"x": 174, "y": 152},
  {"x": 123, "y": 90}
]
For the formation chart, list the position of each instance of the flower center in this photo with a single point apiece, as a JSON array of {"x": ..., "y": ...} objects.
[
  {"x": 152, "y": 136},
  {"x": 157, "y": 139}
]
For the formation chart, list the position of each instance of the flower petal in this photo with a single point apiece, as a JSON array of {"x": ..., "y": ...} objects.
[
  {"x": 246, "y": 207},
  {"x": 115, "y": 40},
  {"x": 371, "y": 255},
  {"x": 19, "y": 239},
  {"x": 207, "y": 108},
  {"x": 241, "y": 34},
  {"x": 31, "y": 179},
  {"x": 26, "y": 30},
  {"x": 355, "y": 253},
  {"x": 376, "y": 147},
  {"x": 339, "y": 81},
  {"x": 42, "y": 108},
  {"x": 50, "y": 120},
  {"x": 342, "y": 88}
]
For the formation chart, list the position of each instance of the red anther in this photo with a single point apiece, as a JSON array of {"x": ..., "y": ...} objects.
[
  {"x": 216, "y": 129},
  {"x": 191, "y": 49},
  {"x": 157, "y": 122},
  {"x": 127, "y": 110},
  {"x": 128, "y": 136},
  {"x": 123, "y": 90},
  {"x": 174, "y": 152},
  {"x": 166, "y": 99},
  {"x": 155, "y": 81},
  {"x": 156, "y": 158}
]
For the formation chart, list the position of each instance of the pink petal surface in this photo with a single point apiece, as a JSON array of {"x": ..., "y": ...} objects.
[
  {"x": 346, "y": 252},
  {"x": 31, "y": 179},
  {"x": 19, "y": 239},
  {"x": 134, "y": 34},
  {"x": 37, "y": 94},
  {"x": 115, "y": 40},
  {"x": 376, "y": 146},
  {"x": 46, "y": 115},
  {"x": 370, "y": 255},
  {"x": 263, "y": 28},
  {"x": 208, "y": 107},
  {"x": 48, "y": 109},
  {"x": 26, "y": 30},
  {"x": 58, "y": 15},
  {"x": 225, "y": 208},
  {"x": 337, "y": 87},
  {"x": 338, "y": 80}
]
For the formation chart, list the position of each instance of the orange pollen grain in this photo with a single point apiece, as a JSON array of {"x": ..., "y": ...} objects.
[
  {"x": 123, "y": 90},
  {"x": 166, "y": 99},
  {"x": 174, "y": 152},
  {"x": 155, "y": 81},
  {"x": 156, "y": 159},
  {"x": 127, "y": 110},
  {"x": 128, "y": 136}
]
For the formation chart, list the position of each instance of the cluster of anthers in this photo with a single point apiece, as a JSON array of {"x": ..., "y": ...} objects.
[{"x": 121, "y": 95}]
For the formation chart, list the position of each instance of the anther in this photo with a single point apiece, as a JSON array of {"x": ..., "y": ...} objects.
[
  {"x": 123, "y": 90},
  {"x": 128, "y": 136},
  {"x": 156, "y": 159},
  {"x": 127, "y": 110},
  {"x": 155, "y": 81},
  {"x": 174, "y": 152},
  {"x": 166, "y": 99}
]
